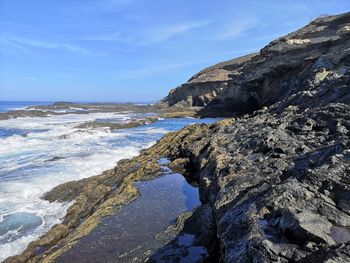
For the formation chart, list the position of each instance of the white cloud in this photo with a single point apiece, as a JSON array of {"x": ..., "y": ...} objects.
[
  {"x": 164, "y": 33},
  {"x": 24, "y": 44},
  {"x": 237, "y": 27},
  {"x": 112, "y": 37},
  {"x": 8, "y": 43},
  {"x": 96, "y": 7},
  {"x": 145, "y": 37}
]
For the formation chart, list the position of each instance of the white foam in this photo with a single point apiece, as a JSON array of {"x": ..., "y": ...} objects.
[
  {"x": 152, "y": 130},
  {"x": 26, "y": 172}
]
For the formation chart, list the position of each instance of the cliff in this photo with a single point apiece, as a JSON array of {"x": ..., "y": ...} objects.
[
  {"x": 298, "y": 62},
  {"x": 274, "y": 181}
]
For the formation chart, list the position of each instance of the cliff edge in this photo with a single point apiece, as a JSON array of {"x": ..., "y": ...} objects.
[{"x": 298, "y": 62}]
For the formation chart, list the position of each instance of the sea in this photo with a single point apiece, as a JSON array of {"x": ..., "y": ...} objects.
[{"x": 39, "y": 153}]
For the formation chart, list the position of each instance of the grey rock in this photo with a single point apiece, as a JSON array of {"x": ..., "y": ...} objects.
[{"x": 291, "y": 67}]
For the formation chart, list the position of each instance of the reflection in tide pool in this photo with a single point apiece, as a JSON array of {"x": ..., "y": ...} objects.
[{"x": 119, "y": 238}]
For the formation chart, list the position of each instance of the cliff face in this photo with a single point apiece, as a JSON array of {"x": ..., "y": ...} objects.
[{"x": 298, "y": 62}]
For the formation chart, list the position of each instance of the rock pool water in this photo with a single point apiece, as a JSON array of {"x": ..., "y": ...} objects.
[{"x": 130, "y": 232}]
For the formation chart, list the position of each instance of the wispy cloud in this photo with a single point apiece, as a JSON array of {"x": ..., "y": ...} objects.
[
  {"x": 149, "y": 36},
  {"x": 205, "y": 60},
  {"x": 237, "y": 27},
  {"x": 164, "y": 33},
  {"x": 110, "y": 5},
  {"x": 5, "y": 42},
  {"x": 146, "y": 37},
  {"x": 161, "y": 68},
  {"x": 111, "y": 37},
  {"x": 96, "y": 7},
  {"x": 150, "y": 71},
  {"x": 25, "y": 44}
]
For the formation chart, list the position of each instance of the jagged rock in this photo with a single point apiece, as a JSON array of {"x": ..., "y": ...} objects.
[
  {"x": 292, "y": 66},
  {"x": 117, "y": 126},
  {"x": 274, "y": 183}
]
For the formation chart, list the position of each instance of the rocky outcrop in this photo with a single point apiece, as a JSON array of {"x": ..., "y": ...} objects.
[
  {"x": 63, "y": 108},
  {"x": 117, "y": 126},
  {"x": 291, "y": 64},
  {"x": 278, "y": 184},
  {"x": 277, "y": 179},
  {"x": 26, "y": 113},
  {"x": 274, "y": 181}
]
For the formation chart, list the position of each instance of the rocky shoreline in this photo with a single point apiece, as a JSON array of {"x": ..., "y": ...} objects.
[
  {"x": 273, "y": 181},
  {"x": 100, "y": 196},
  {"x": 64, "y": 108}
]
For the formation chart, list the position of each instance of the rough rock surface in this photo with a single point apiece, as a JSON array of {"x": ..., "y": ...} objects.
[
  {"x": 278, "y": 184},
  {"x": 286, "y": 66},
  {"x": 117, "y": 126},
  {"x": 274, "y": 183}
]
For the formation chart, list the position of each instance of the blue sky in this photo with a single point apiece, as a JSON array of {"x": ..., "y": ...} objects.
[{"x": 133, "y": 50}]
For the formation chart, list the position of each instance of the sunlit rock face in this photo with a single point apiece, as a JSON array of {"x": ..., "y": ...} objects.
[{"x": 299, "y": 62}]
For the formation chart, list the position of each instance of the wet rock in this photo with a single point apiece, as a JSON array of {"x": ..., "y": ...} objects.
[
  {"x": 117, "y": 126},
  {"x": 55, "y": 234},
  {"x": 25, "y": 113},
  {"x": 179, "y": 165},
  {"x": 56, "y": 158}
]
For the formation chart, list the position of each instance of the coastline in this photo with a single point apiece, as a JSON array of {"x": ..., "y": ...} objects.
[
  {"x": 99, "y": 196},
  {"x": 59, "y": 231},
  {"x": 273, "y": 180}
]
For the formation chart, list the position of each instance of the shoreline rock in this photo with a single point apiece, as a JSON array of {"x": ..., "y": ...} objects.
[
  {"x": 274, "y": 181},
  {"x": 117, "y": 126}
]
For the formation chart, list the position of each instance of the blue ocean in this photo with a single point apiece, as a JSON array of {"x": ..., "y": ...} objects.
[
  {"x": 19, "y": 105},
  {"x": 39, "y": 153}
]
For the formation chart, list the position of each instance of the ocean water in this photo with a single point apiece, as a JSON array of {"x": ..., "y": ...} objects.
[
  {"x": 37, "y": 154},
  {"x": 19, "y": 105}
]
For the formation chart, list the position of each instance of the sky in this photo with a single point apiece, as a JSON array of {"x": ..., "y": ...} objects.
[{"x": 133, "y": 50}]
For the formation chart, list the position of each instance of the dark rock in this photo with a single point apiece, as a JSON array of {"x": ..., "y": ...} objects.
[
  {"x": 56, "y": 158},
  {"x": 117, "y": 126},
  {"x": 291, "y": 68}
]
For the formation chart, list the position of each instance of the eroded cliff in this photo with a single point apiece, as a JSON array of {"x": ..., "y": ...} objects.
[{"x": 294, "y": 63}]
